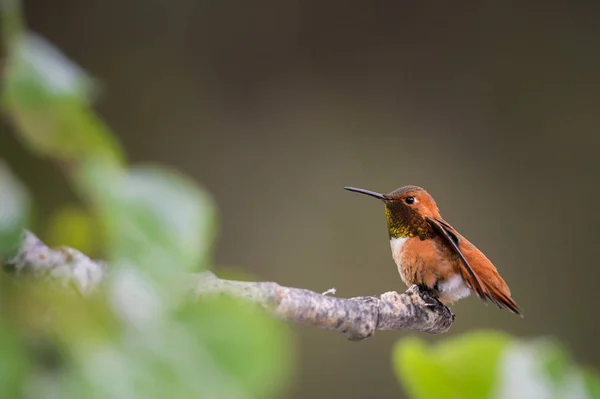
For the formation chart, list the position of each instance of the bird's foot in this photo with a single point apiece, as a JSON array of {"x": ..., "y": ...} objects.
[{"x": 428, "y": 296}]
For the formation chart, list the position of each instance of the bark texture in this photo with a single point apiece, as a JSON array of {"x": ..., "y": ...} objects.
[{"x": 356, "y": 318}]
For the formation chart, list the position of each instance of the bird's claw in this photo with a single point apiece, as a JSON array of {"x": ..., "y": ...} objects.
[{"x": 428, "y": 299}]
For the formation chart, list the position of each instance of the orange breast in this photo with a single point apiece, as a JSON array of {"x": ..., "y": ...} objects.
[{"x": 423, "y": 262}]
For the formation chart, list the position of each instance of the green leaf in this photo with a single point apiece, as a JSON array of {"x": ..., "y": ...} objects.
[
  {"x": 462, "y": 367},
  {"x": 47, "y": 97},
  {"x": 218, "y": 348},
  {"x": 540, "y": 368},
  {"x": 14, "y": 211},
  {"x": 39, "y": 73},
  {"x": 592, "y": 383},
  {"x": 554, "y": 359},
  {"x": 14, "y": 362},
  {"x": 154, "y": 217},
  {"x": 243, "y": 339},
  {"x": 73, "y": 226},
  {"x": 155, "y": 364},
  {"x": 522, "y": 372}
]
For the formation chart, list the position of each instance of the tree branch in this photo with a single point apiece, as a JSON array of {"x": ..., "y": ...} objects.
[{"x": 357, "y": 318}]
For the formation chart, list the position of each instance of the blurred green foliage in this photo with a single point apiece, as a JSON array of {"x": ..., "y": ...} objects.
[
  {"x": 462, "y": 367},
  {"x": 133, "y": 338},
  {"x": 14, "y": 212},
  {"x": 488, "y": 364},
  {"x": 73, "y": 226}
]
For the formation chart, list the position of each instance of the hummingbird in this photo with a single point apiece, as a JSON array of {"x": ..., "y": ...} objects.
[{"x": 431, "y": 254}]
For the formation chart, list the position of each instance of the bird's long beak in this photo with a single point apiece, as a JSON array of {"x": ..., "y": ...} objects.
[{"x": 367, "y": 192}]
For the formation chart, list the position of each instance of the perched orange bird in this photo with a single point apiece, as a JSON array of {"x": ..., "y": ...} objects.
[{"x": 433, "y": 255}]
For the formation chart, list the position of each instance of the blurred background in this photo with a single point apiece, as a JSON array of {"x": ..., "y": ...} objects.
[{"x": 274, "y": 106}]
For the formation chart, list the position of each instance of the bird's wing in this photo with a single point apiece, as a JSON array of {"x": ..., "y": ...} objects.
[{"x": 475, "y": 268}]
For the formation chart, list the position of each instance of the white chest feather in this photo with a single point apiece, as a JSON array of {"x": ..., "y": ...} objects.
[
  {"x": 454, "y": 288},
  {"x": 397, "y": 243}
]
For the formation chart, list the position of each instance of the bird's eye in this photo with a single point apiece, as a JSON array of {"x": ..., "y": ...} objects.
[{"x": 409, "y": 200}]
